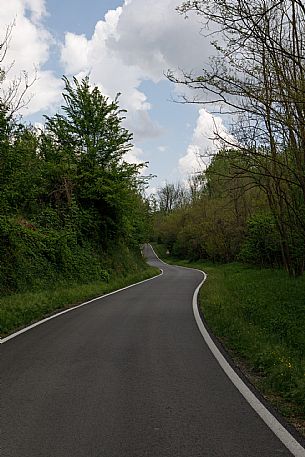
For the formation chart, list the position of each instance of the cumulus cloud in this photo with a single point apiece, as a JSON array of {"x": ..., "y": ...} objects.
[
  {"x": 36, "y": 8},
  {"x": 136, "y": 42},
  {"x": 154, "y": 37},
  {"x": 209, "y": 136},
  {"x": 45, "y": 94},
  {"x": 29, "y": 50},
  {"x": 81, "y": 56},
  {"x": 143, "y": 128},
  {"x": 74, "y": 54},
  {"x": 134, "y": 155}
]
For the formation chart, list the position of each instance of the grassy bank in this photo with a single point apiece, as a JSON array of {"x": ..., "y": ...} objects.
[
  {"x": 259, "y": 316},
  {"x": 21, "y": 309}
]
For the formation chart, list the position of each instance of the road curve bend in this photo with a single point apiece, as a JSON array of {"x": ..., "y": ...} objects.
[{"x": 128, "y": 375}]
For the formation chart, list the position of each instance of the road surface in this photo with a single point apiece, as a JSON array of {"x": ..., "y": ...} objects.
[{"x": 126, "y": 376}]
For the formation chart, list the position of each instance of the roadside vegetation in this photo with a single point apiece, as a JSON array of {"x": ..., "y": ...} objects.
[
  {"x": 257, "y": 314},
  {"x": 72, "y": 210},
  {"x": 20, "y": 309}
]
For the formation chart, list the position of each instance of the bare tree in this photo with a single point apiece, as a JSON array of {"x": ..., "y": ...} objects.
[
  {"x": 258, "y": 76},
  {"x": 172, "y": 196},
  {"x": 196, "y": 183},
  {"x": 13, "y": 91}
]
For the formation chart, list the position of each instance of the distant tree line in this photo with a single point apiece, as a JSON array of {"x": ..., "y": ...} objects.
[{"x": 219, "y": 221}]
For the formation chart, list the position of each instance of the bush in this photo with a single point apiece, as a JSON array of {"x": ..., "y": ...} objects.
[
  {"x": 262, "y": 245},
  {"x": 32, "y": 259}
]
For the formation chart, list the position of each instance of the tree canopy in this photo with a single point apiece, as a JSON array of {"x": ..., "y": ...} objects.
[{"x": 66, "y": 191}]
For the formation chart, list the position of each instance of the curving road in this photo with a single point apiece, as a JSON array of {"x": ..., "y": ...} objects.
[{"x": 128, "y": 375}]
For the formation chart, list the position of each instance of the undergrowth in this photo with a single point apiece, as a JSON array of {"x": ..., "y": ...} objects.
[{"x": 123, "y": 267}]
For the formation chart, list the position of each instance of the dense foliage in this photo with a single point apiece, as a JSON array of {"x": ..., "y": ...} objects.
[
  {"x": 219, "y": 218},
  {"x": 67, "y": 197}
]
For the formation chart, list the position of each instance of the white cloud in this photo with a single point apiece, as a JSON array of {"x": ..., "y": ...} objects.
[
  {"x": 154, "y": 37},
  {"x": 133, "y": 155},
  {"x": 93, "y": 56},
  {"x": 151, "y": 191},
  {"x": 37, "y": 9},
  {"x": 39, "y": 126},
  {"x": 134, "y": 43},
  {"x": 191, "y": 162},
  {"x": 74, "y": 54},
  {"x": 29, "y": 50},
  {"x": 45, "y": 94},
  {"x": 209, "y": 136},
  {"x": 140, "y": 123}
]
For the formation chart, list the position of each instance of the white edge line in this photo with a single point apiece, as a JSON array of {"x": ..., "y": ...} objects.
[
  {"x": 25, "y": 329},
  {"x": 278, "y": 429}
]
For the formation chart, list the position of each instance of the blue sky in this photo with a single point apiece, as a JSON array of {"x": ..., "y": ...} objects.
[
  {"x": 77, "y": 16},
  {"x": 125, "y": 46}
]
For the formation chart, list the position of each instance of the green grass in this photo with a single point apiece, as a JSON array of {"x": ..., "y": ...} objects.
[
  {"x": 259, "y": 316},
  {"x": 19, "y": 310}
]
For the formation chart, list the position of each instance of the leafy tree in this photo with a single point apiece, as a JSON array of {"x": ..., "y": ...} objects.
[
  {"x": 262, "y": 245},
  {"x": 68, "y": 200},
  {"x": 90, "y": 126},
  {"x": 85, "y": 147},
  {"x": 213, "y": 224}
]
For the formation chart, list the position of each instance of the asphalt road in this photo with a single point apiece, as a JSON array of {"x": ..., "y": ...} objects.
[{"x": 126, "y": 376}]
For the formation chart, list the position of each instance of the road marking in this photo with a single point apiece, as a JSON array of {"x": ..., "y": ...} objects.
[
  {"x": 277, "y": 428},
  {"x": 25, "y": 329}
]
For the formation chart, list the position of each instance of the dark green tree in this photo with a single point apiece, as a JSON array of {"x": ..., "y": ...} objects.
[
  {"x": 90, "y": 125},
  {"x": 85, "y": 147}
]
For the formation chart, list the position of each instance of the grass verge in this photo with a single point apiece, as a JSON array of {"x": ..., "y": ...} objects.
[
  {"x": 259, "y": 317},
  {"x": 20, "y": 310}
]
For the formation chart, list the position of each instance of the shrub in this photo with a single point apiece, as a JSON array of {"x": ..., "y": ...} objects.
[{"x": 262, "y": 245}]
